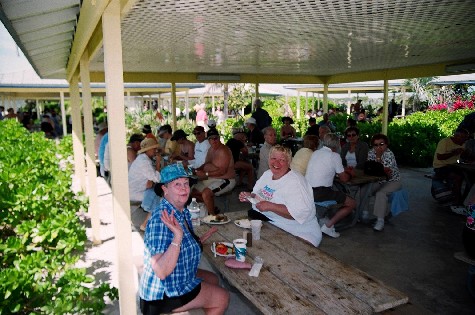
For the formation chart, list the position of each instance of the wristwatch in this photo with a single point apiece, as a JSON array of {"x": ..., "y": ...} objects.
[{"x": 206, "y": 174}]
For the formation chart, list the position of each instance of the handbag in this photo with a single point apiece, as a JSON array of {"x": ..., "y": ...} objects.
[{"x": 374, "y": 168}]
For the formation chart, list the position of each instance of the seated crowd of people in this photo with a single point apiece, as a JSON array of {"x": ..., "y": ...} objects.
[{"x": 282, "y": 188}]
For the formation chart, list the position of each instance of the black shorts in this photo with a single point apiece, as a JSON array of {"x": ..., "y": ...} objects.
[
  {"x": 168, "y": 304},
  {"x": 327, "y": 193}
]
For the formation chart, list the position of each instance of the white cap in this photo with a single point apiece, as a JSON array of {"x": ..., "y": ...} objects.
[
  {"x": 250, "y": 120},
  {"x": 211, "y": 123}
]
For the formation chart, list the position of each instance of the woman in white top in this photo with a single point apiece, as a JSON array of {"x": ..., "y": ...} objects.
[{"x": 286, "y": 198}]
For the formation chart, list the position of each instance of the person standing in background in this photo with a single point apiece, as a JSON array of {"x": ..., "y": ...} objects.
[{"x": 261, "y": 116}]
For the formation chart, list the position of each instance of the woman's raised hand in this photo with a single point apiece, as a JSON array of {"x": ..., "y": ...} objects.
[{"x": 170, "y": 221}]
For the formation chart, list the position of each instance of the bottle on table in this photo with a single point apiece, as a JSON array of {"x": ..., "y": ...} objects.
[{"x": 194, "y": 209}]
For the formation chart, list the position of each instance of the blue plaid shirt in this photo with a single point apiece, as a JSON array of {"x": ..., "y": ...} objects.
[{"x": 158, "y": 238}]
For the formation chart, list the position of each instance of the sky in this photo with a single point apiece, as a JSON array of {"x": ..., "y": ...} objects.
[{"x": 12, "y": 59}]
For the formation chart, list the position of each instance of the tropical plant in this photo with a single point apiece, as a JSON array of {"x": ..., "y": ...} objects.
[
  {"x": 422, "y": 91},
  {"x": 41, "y": 236}
]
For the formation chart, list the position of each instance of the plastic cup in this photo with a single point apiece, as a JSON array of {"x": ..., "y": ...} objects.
[
  {"x": 203, "y": 210},
  {"x": 240, "y": 249},
  {"x": 256, "y": 229}
]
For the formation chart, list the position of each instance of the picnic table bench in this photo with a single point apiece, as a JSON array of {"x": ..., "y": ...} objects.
[{"x": 298, "y": 278}]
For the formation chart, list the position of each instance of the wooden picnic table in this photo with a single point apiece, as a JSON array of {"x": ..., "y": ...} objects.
[{"x": 298, "y": 278}]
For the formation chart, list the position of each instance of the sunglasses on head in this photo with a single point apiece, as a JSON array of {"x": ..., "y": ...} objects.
[
  {"x": 378, "y": 144},
  {"x": 350, "y": 135}
]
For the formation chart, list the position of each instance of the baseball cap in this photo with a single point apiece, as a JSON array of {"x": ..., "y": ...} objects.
[
  {"x": 211, "y": 123},
  {"x": 251, "y": 120}
]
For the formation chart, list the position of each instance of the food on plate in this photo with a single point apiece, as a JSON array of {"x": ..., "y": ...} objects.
[
  {"x": 223, "y": 249},
  {"x": 233, "y": 263},
  {"x": 219, "y": 218}
]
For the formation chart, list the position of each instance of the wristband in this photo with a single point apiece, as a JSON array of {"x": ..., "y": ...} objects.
[{"x": 175, "y": 244}]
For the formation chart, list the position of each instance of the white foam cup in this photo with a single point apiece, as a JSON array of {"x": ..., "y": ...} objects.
[{"x": 240, "y": 249}]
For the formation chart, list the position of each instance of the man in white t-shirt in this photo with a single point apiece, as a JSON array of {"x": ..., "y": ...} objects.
[
  {"x": 201, "y": 147},
  {"x": 322, "y": 167}
]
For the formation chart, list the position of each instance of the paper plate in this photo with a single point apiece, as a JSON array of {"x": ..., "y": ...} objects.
[
  {"x": 228, "y": 245},
  {"x": 243, "y": 223},
  {"x": 211, "y": 219}
]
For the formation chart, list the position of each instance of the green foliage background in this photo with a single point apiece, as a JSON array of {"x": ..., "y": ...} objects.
[{"x": 41, "y": 234}]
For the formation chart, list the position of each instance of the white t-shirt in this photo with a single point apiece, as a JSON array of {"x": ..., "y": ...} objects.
[
  {"x": 351, "y": 159},
  {"x": 140, "y": 172},
  {"x": 322, "y": 167},
  {"x": 293, "y": 191},
  {"x": 201, "y": 149}
]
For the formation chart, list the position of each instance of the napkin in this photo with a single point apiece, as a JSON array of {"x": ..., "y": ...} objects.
[{"x": 256, "y": 267}]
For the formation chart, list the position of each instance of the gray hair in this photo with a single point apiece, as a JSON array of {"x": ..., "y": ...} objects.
[
  {"x": 332, "y": 141},
  {"x": 267, "y": 129}
]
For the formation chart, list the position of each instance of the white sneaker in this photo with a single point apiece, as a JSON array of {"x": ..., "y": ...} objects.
[
  {"x": 379, "y": 226},
  {"x": 330, "y": 231},
  {"x": 458, "y": 210}
]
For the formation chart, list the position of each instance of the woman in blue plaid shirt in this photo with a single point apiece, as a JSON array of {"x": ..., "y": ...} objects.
[{"x": 171, "y": 281}]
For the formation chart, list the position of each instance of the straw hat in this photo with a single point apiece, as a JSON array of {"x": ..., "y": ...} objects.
[{"x": 147, "y": 144}]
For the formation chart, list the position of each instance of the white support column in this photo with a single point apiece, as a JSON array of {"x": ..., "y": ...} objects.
[
  {"x": 306, "y": 103},
  {"x": 187, "y": 106},
  {"x": 90, "y": 152},
  {"x": 78, "y": 147},
  {"x": 113, "y": 69},
  {"x": 313, "y": 101},
  {"x": 348, "y": 103},
  {"x": 129, "y": 100},
  {"x": 38, "y": 112},
  {"x": 298, "y": 104},
  {"x": 174, "y": 105},
  {"x": 63, "y": 114},
  {"x": 325, "y": 97},
  {"x": 385, "y": 108}
]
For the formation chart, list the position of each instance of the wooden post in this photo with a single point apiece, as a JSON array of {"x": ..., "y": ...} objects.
[
  {"x": 113, "y": 69},
  {"x": 78, "y": 148},
  {"x": 90, "y": 153}
]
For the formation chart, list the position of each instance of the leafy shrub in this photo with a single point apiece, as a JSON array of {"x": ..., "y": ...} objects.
[{"x": 41, "y": 235}]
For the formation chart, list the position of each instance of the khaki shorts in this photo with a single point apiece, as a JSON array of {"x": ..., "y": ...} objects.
[{"x": 217, "y": 185}]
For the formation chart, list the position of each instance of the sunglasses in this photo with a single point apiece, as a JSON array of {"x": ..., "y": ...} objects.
[
  {"x": 351, "y": 135},
  {"x": 197, "y": 133},
  {"x": 213, "y": 138},
  {"x": 379, "y": 144}
]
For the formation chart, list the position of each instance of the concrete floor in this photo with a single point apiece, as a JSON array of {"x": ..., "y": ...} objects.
[{"x": 414, "y": 253}]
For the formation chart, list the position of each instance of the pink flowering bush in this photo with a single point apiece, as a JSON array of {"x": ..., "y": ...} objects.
[{"x": 459, "y": 103}]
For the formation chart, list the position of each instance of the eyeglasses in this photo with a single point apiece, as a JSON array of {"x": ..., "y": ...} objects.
[
  {"x": 379, "y": 144},
  {"x": 351, "y": 135},
  {"x": 213, "y": 138}
]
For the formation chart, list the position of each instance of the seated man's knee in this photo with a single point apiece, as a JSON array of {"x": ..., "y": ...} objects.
[{"x": 207, "y": 193}]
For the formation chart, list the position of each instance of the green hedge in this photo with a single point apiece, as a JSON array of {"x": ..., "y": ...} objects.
[{"x": 41, "y": 235}]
